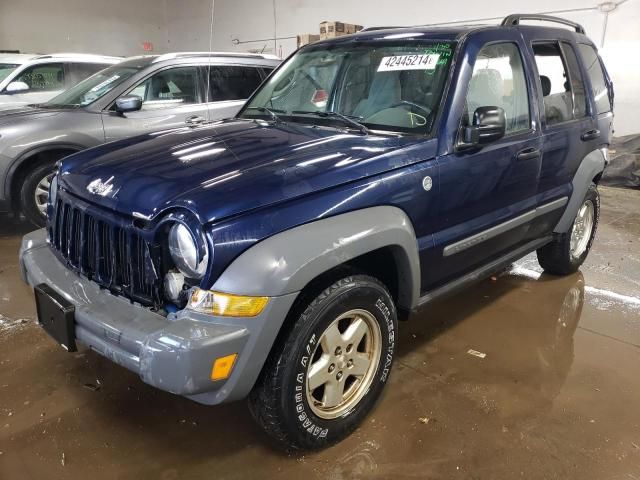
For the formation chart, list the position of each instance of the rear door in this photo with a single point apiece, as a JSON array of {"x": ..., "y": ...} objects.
[
  {"x": 487, "y": 194},
  {"x": 172, "y": 97},
  {"x": 601, "y": 91},
  {"x": 229, "y": 87},
  {"x": 569, "y": 128}
]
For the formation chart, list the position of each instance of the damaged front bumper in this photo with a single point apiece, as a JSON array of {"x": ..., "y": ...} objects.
[{"x": 173, "y": 353}]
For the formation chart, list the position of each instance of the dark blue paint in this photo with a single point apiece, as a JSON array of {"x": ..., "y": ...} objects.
[{"x": 247, "y": 180}]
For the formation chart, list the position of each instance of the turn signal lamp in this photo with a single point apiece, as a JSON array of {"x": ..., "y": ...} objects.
[
  {"x": 226, "y": 305},
  {"x": 222, "y": 367}
]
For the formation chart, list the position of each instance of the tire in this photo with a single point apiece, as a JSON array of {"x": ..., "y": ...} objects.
[
  {"x": 28, "y": 204},
  {"x": 282, "y": 402},
  {"x": 559, "y": 257}
]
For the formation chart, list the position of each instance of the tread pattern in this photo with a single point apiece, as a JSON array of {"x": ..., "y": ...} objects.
[{"x": 264, "y": 400}]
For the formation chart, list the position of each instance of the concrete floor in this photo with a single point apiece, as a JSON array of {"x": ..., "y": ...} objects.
[{"x": 556, "y": 396}]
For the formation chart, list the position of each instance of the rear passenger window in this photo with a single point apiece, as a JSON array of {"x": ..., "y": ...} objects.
[
  {"x": 76, "y": 72},
  {"x": 563, "y": 91},
  {"x": 596, "y": 75},
  {"x": 498, "y": 81},
  {"x": 233, "y": 82}
]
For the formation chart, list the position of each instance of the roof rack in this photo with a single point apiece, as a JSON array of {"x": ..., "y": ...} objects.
[
  {"x": 75, "y": 55},
  {"x": 168, "y": 56},
  {"x": 516, "y": 18}
]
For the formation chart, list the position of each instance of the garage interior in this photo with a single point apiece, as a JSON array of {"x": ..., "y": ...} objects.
[{"x": 524, "y": 375}]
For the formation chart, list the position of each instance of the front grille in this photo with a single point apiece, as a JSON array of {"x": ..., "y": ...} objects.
[{"x": 116, "y": 257}]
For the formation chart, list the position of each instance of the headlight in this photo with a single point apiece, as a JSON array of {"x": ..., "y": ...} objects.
[
  {"x": 184, "y": 252},
  {"x": 53, "y": 190}
]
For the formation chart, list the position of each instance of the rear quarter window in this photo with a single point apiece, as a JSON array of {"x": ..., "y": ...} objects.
[{"x": 596, "y": 74}]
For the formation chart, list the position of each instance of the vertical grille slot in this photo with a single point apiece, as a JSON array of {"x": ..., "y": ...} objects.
[{"x": 115, "y": 257}]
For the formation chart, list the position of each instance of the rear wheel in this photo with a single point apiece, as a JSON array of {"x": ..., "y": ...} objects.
[
  {"x": 331, "y": 368},
  {"x": 568, "y": 251},
  {"x": 34, "y": 193}
]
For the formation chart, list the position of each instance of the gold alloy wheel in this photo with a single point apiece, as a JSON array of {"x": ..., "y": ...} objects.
[
  {"x": 343, "y": 364},
  {"x": 582, "y": 228}
]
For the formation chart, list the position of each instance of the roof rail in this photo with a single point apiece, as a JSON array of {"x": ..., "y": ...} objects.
[
  {"x": 516, "y": 18},
  {"x": 373, "y": 29},
  {"x": 168, "y": 56}
]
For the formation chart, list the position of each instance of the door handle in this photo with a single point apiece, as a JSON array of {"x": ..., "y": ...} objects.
[
  {"x": 528, "y": 154},
  {"x": 194, "y": 120},
  {"x": 590, "y": 135}
]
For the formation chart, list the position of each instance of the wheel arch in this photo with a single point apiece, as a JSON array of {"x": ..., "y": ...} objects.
[
  {"x": 590, "y": 170},
  {"x": 379, "y": 241},
  {"x": 32, "y": 158}
]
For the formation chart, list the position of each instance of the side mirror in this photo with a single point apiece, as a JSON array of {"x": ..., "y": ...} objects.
[
  {"x": 128, "y": 103},
  {"x": 489, "y": 124},
  {"x": 17, "y": 87}
]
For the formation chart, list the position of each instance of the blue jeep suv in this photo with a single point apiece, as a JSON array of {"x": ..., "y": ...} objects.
[{"x": 271, "y": 255}]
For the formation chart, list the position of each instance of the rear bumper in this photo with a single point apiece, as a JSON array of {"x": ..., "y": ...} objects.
[{"x": 173, "y": 353}]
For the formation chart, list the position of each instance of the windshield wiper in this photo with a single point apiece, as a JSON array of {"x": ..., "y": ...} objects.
[
  {"x": 342, "y": 117},
  {"x": 276, "y": 118}
]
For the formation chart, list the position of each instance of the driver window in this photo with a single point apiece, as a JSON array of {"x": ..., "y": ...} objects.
[
  {"x": 42, "y": 78},
  {"x": 168, "y": 88},
  {"x": 498, "y": 80}
]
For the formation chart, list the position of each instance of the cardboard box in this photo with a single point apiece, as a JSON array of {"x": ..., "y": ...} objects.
[
  {"x": 306, "y": 38},
  {"x": 337, "y": 29}
]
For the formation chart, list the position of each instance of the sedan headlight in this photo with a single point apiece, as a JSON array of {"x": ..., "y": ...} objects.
[{"x": 184, "y": 252}]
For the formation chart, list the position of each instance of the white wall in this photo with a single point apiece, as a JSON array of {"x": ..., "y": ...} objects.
[
  {"x": 248, "y": 20},
  {"x": 119, "y": 27},
  {"x": 188, "y": 24},
  {"x": 114, "y": 27}
]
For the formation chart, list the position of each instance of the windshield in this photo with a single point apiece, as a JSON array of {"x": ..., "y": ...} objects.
[
  {"x": 394, "y": 87},
  {"x": 94, "y": 87},
  {"x": 6, "y": 69}
]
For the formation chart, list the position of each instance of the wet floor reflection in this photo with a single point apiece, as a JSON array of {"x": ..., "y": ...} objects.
[{"x": 547, "y": 394}]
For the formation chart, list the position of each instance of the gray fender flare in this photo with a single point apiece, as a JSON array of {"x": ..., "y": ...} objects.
[
  {"x": 591, "y": 165},
  {"x": 286, "y": 262}
]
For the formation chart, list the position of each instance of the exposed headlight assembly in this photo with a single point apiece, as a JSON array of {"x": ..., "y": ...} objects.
[
  {"x": 185, "y": 253},
  {"x": 53, "y": 190}
]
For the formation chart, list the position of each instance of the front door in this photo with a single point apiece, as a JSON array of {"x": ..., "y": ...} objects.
[
  {"x": 487, "y": 194},
  {"x": 44, "y": 81},
  {"x": 171, "y": 98}
]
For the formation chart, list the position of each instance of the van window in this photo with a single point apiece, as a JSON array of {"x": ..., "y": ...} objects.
[
  {"x": 577, "y": 84},
  {"x": 596, "y": 75},
  {"x": 554, "y": 80},
  {"x": 498, "y": 80}
]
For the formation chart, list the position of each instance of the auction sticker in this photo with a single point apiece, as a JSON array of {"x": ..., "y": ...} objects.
[{"x": 409, "y": 62}]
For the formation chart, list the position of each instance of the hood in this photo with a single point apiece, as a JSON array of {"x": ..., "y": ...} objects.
[
  {"x": 9, "y": 114},
  {"x": 225, "y": 168}
]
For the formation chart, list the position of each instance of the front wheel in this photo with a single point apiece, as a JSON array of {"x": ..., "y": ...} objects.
[
  {"x": 34, "y": 193},
  {"x": 568, "y": 251},
  {"x": 331, "y": 367}
]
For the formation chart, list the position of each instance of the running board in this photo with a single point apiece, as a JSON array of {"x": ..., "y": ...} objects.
[{"x": 483, "y": 272}]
